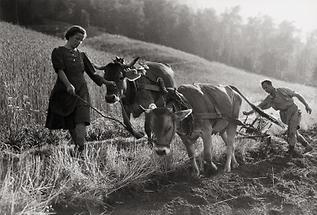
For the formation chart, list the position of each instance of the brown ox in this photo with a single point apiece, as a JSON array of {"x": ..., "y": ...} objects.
[
  {"x": 137, "y": 87},
  {"x": 198, "y": 110}
]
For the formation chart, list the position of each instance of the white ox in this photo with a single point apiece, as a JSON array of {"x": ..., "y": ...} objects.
[{"x": 195, "y": 111}]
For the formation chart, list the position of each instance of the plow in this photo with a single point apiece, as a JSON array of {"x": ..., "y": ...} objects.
[{"x": 256, "y": 129}]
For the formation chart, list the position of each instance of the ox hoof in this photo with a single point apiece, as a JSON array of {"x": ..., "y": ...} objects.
[
  {"x": 235, "y": 165},
  {"x": 210, "y": 168},
  {"x": 213, "y": 166},
  {"x": 227, "y": 169},
  {"x": 195, "y": 174}
]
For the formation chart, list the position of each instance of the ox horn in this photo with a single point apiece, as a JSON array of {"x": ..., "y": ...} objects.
[
  {"x": 152, "y": 106},
  {"x": 180, "y": 115},
  {"x": 133, "y": 62},
  {"x": 99, "y": 67},
  {"x": 118, "y": 60}
]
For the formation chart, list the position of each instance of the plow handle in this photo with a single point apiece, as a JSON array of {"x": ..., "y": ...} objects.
[{"x": 257, "y": 109}]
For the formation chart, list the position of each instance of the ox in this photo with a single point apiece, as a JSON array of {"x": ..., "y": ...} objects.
[
  {"x": 137, "y": 87},
  {"x": 195, "y": 111}
]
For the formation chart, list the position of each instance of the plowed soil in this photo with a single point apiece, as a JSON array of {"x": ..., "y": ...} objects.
[{"x": 268, "y": 181}]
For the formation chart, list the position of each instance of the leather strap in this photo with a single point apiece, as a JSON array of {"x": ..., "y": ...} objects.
[
  {"x": 208, "y": 116},
  {"x": 150, "y": 87}
]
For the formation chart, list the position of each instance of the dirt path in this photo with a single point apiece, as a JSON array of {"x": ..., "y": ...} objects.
[{"x": 268, "y": 183}]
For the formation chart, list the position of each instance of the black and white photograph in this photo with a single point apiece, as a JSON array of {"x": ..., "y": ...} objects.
[{"x": 158, "y": 107}]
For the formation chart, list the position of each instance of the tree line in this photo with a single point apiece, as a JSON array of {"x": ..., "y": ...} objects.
[{"x": 257, "y": 44}]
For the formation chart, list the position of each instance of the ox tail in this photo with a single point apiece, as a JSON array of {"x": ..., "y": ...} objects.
[{"x": 257, "y": 109}]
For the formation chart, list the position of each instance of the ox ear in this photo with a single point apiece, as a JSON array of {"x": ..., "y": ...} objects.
[
  {"x": 132, "y": 74},
  {"x": 133, "y": 62},
  {"x": 180, "y": 115}
]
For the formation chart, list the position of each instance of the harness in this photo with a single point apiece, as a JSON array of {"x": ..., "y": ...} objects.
[
  {"x": 157, "y": 86},
  {"x": 151, "y": 87},
  {"x": 177, "y": 100}
]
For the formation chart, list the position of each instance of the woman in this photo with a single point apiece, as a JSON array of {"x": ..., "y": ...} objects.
[{"x": 66, "y": 110}]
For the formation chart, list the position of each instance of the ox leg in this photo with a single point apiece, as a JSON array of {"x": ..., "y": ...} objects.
[
  {"x": 190, "y": 147},
  {"x": 228, "y": 138},
  {"x": 207, "y": 141},
  {"x": 147, "y": 129}
]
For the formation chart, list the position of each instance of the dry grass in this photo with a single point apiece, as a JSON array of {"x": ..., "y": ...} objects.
[
  {"x": 38, "y": 178},
  {"x": 28, "y": 186}
]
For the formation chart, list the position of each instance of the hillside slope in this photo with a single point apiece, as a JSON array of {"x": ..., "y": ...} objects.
[
  {"x": 190, "y": 68},
  {"x": 26, "y": 69}
]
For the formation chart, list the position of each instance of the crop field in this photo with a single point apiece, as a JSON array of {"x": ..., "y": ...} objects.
[{"x": 121, "y": 175}]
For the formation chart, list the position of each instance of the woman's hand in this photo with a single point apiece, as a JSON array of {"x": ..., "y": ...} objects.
[
  {"x": 71, "y": 89},
  {"x": 247, "y": 112},
  {"x": 112, "y": 83}
]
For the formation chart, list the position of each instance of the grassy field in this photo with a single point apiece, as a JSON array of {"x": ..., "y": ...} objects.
[{"x": 38, "y": 173}]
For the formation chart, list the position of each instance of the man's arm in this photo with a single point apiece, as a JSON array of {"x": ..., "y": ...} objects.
[
  {"x": 265, "y": 104},
  {"x": 302, "y": 100}
]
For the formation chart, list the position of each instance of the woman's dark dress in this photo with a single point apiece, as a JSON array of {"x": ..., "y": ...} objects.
[{"x": 65, "y": 110}]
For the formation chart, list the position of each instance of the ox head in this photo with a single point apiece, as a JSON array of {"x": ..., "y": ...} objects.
[
  {"x": 163, "y": 123},
  {"x": 119, "y": 72}
]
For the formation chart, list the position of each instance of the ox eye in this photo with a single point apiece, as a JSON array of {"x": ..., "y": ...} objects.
[{"x": 168, "y": 129}]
